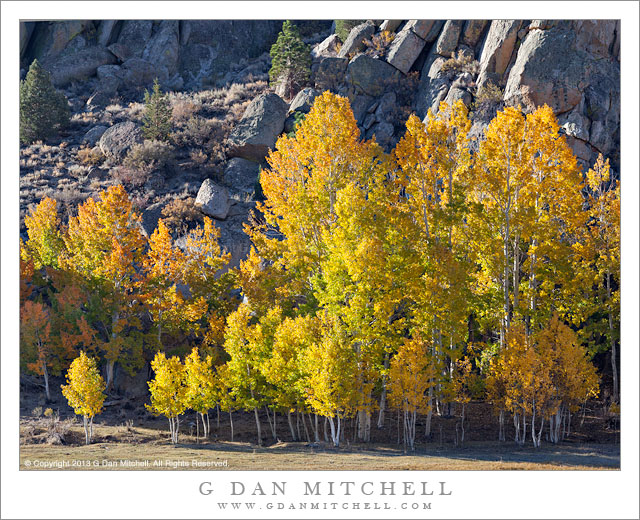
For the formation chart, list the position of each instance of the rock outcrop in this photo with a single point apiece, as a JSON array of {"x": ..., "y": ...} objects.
[
  {"x": 259, "y": 128},
  {"x": 213, "y": 200},
  {"x": 118, "y": 140}
]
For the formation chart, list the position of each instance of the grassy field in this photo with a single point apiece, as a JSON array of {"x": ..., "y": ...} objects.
[{"x": 150, "y": 449}]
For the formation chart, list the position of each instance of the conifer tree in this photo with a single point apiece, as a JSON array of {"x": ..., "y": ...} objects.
[
  {"x": 43, "y": 109},
  {"x": 156, "y": 121},
  {"x": 290, "y": 61}
]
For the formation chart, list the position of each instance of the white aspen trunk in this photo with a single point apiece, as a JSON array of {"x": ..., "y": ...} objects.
[
  {"x": 109, "y": 370},
  {"x": 45, "y": 374},
  {"x": 427, "y": 425},
  {"x": 383, "y": 395},
  {"x": 86, "y": 429},
  {"x": 326, "y": 434},
  {"x": 90, "y": 430},
  {"x": 231, "y": 423},
  {"x": 334, "y": 438},
  {"x": 516, "y": 272},
  {"x": 293, "y": 433},
  {"x": 364, "y": 425},
  {"x": 258, "y": 428},
  {"x": 272, "y": 426},
  {"x": 524, "y": 428},
  {"x": 533, "y": 426},
  {"x": 208, "y": 426},
  {"x": 413, "y": 430},
  {"x": 339, "y": 430},
  {"x": 516, "y": 424},
  {"x": 177, "y": 427},
  {"x": 614, "y": 363},
  {"x": 306, "y": 431},
  {"x": 540, "y": 431}
]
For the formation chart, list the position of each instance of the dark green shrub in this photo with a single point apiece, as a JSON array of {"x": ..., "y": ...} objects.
[{"x": 43, "y": 109}]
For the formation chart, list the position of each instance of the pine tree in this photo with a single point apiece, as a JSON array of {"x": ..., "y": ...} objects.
[
  {"x": 156, "y": 121},
  {"x": 43, "y": 109},
  {"x": 343, "y": 28},
  {"x": 290, "y": 61}
]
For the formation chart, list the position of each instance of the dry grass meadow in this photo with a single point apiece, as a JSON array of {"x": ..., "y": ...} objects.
[{"x": 151, "y": 450}]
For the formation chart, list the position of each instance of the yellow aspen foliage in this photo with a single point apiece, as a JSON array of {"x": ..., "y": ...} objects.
[
  {"x": 169, "y": 391},
  {"x": 161, "y": 266},
  {"x": 201, "y": 388},
  {"x": 204, "y": 270},
  {"x": 285, "y": 368},
  {"x": 84, "y": 391},
  {"x": 104, "y": 249},
  {"x": 249, "y": 342},
  {"x": 45, "y": 240},
  {"x": 599, "y": 264},
  {"x": 525, "y": 196},
  {"x": 434, "y": 168},
  {"x": 332, "y": 390},
  {"x": 411, "y": 373},
  {"x": 573, "y": 376},
  {"x": 301, "y": 184}
]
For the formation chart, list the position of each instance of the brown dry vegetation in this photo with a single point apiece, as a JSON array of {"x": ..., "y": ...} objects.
[
  {"x": 126, "y": 431},
  {"x": 70, "y": 171}
]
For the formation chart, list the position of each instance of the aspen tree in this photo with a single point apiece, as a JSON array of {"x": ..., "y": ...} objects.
[
  {"x": 169, "y": 391},
  {"x": 84, "y": 391}
]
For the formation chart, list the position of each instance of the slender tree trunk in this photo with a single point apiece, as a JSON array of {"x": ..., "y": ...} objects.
[
  {"x": 293, "y": 433},
  {"x": 364, "y": 425},
  {"x": 298, "y": 424},
  {"x": 383, "y": 395},
  {"x": 258, "y": 428},
  {"x": 109, "y": 370},
  {"x": 335, "y": 433},
  {"x": 501, "y": 435},
  {"x": 86, "y": 429},
  {"x": 427, "y": 424},
  {"x": 614, "y": 362},
  {"x": 208, "y": 426},
  {"x": 45, "y": 374},
  {"x": 326, "y": 434},
  {"x": 198, "y": 417},
  {"x": 462, "y": 422},
  {"x": 315, "y": 429},
  {"x": 218, "y": 420},
  {"x": 272, "y": 426},
  {"x": 231, "y": 422},
  {"x": 306, "y": 431}
]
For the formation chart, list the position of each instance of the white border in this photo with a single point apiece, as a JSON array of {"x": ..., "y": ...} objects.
[{"x": 174, "y": 495}]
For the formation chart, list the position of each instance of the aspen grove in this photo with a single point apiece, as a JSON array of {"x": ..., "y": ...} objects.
[{"x": 451, "y": 269}]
